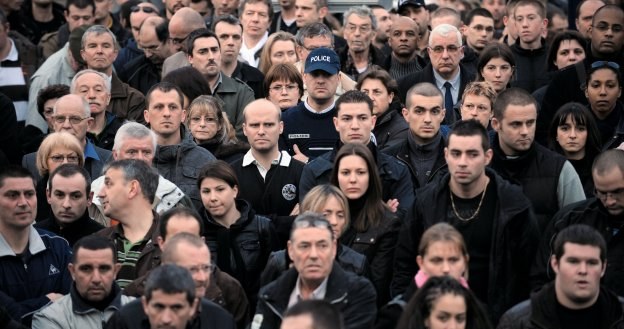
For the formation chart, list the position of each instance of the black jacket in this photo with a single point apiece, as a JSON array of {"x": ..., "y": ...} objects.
[
  {"x": 106, "y": 138},
  {"x": 618, "y": 134},
  {"x": 72, "y": 232},
  {"x": 140, "y": 73},
  {"x": 211, "y": 316},
  {"x": 252, "y": 77},
  {"x": 390, "y": 128},
  {"x": 353, "y": 296},
  {"x": 589, "y": 212},
  {"x": 540, "y": 312},
  {"x": 530, "y": 67},
  {"x": 513, "y": 240},
  {"x": 376, "y": 58},
  {"x": 229, "y": 153}
]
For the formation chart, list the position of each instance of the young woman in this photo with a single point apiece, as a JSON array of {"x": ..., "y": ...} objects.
[
  {"x": 211, "y": 129},
  {"x": 390, "y": 127},
  {"x": 331, "y": 202},
  {"x": 603, "y": 89},
  {"x": 374, "y": 229},
  {"x": 443, "y": 302},
  {"x": 496, "y": 65},
  {"x": 279, "y": 48},
  {"x": 240, "y": 241},
  {"x": 574, "y": 134},
  {"x": 284, "y": 85}
]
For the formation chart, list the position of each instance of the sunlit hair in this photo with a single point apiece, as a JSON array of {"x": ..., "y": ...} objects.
[
  {"x": 204, "y": 105},
  {"x": 442, "y": 232},
  {"x": 57, "y": 139},
  {"x": 316, "y": 199},
  {"x": 580, "y": 116},
  {"x": 481, "y": 88},
  {"x": 265, "y": 56},
  {"x": 220, "y": 170}
]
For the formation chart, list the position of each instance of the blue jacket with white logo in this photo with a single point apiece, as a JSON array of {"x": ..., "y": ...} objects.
[{"x": 26, "y": 279}]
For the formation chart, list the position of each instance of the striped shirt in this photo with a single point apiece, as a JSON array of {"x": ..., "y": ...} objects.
[{"x": 12, "y": 82}]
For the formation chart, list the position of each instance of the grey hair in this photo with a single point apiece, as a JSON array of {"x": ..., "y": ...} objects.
[
  {"x": 107, "y": 81},
  {"x": 133, "y": 130},
  {"x": 444, "y": 30},
  {"x": 85, "y": 106},
  {"x": 362, "y": 11},
  {"x": 314, "y": 30},
  {"x": 98, "y": 30},
  {"x": 141, "y": 172}
]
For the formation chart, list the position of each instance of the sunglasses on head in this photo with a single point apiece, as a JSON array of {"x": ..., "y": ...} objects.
[
  {"x": 145, "y": 9},
  {"x": 599, "y": 64}
]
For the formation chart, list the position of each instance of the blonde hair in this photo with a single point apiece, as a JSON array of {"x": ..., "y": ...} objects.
[
  {"x": 318, "y": 197},
  {"x": 203, "y": 105},
  {"x": 442, "y": 232},
  {"x": 62, "y": 139},
  {"x": 265, "y": 56}
]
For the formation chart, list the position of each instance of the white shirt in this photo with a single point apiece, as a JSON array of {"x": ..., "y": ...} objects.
[
  {"x": 249, "y": 54},
  {"x": 317, "y": 294},
  {"x": 283, "y": 160},
  {"x": 455, "y": 83}
]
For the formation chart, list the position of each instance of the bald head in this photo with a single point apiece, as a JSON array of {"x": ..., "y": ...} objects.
[
  {"x": 138, "y": 17},
  {"x": 74, "y": 102},
  {"x": 403, "y": 21},
  {"x": 182, "y": 23},
  {"x": 260, "y": 104}
]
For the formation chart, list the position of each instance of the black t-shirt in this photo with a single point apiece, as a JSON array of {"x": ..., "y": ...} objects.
[
  {"x": 581, "y": 319},
  {"x": 478, "y": 235}
]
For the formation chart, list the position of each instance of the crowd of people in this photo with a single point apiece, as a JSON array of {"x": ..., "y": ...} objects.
[{"x": 240, "y": 164}]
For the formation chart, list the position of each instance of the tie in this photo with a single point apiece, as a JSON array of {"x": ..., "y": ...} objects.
[{"x": 448, "y": 103}]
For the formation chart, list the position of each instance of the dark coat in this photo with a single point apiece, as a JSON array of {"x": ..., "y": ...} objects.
[
  {"x": 126, "y": 102},
  {"x": 229, "y": 153},
  {"x": 140, "y": 73},
  {"x": 353, "y": 296},
  {"x": 376, "y": 58},
  {"x": 71, "y": 232},
  {"x": 251, "y": 76},
  {"x": 513, "y": 240},
  {"x": 106, "y": 138},
  {"x": 530, "y": 67},
  {"x": 618, "y": 134},
  {"x": 390, "y": 128}
]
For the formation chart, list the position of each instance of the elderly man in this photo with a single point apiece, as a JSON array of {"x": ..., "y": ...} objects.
[
  {"x": 77, "y": 13},
  {"x": 312, "y": 241},
  {"x": 94, "y": 295},
  {"x": 444, "y": 71}
]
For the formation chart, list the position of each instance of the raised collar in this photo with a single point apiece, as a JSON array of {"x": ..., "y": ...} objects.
[
  {"x": 283, "y": 159},
  {"x": 90, "y": 151},
  {"x": 79, "y": 306},
  {"x": 35, "y": 244}
]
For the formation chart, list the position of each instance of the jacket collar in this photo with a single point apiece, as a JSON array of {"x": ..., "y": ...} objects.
[
  {"x": 35, "y": 244},
  {"x": 117, "y": 87},
  {"x": 80, "y": 306}
]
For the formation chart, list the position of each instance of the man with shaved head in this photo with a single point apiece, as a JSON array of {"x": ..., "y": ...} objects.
[
  {"x": 182, "y": 23},
  {"x": 403, "y": 40}
]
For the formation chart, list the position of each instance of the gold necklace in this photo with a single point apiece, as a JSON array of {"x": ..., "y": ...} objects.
[{"x": 476, "y": 211}]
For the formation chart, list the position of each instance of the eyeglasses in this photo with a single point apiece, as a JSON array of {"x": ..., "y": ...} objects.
[
  {"x": 617, "y": 194},
  {"x": 452, "y": 49},
  {"x": 59, "y": 158},
  {"x": 603, "y": 27},
  {"x": 178, "y": 41},
  {"x": 206, "y": 268},
  {"x": 599, "y": 64},
  {"x": 279, "y": 88},
  {"x": 74, "y": 120},
  {"x": 145, "y": 9}
]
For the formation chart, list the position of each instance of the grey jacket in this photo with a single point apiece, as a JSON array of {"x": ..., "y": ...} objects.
[{"x": 235, "y": 95}]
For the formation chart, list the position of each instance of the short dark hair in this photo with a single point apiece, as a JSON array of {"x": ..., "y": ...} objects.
[
  {"x": 181, "y": 212},
  {"x": 323, "y": 314},
  {"x": 382, "y": 76},
  {"x": 608, "y": 160},
  {"x": 13, "y": 171},
  {"x": 537, "y": 4},
  {"x": 69, "y": 169},
  {"x": 555, "y": 43},
  {"x": 580, "y": 116},
  {"x": 470, "y": 127},
  {"x": 579, "y": 234},
  {"x": 218, "y": 170},
  {"x": 228, "y": 19},
  {"x": 352, "y": 97},
  {"x": 198, "y": 34},
  {"x": 283, "y": 71},
  {"x": 48, "y": 93},
  {"x": 425, "y": 89},
  {"x": 125, "y": 10},
  {"x": 311, "y": 219},
  {"x": 80, "y": 4},
  {"x": 495, "y": 50},
  {"x": 512, "y": 96},
  {"x": 162, "y": 30},
  {"x": 190, "y": 82},
  {"x": 477, "y": 12},
  {"x": 170, "y": 279},
  {"x": 93, "y": 242},
  {"x": 268, "y": 3},
  {"x": 164, "y": 87},
  {"x": 141, "y": 172}
]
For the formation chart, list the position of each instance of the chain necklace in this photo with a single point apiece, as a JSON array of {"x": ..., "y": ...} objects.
[{"x": 476, "y": 211}]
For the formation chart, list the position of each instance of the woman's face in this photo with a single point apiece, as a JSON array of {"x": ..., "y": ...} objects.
[
  {"x": 443, "y": 258},
  {"x": 448, "y": 311},
  {"x": 497, "y": 72},
  {"x": 353, "y": 176},
  {"x": 602, "y": 92},
  {"x": 378, "y": 93},
  {"x": 335, "y": 215},
  {"x": 203, "y": 127},
  {"x": 570, "y": 52},
  {"x": 217, "y": 196},
  {"x": 283, "y": 51},
  {"x": 60, "y": 155},
  {"x": 572, "y": 139},
  {"x": 284, "y": 94}
]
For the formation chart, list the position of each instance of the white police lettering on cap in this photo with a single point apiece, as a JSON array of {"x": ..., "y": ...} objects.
[{"x": 320, "y": 58}]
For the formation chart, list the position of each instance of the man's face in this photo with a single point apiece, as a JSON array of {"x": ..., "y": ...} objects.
[
  {"x": 466, "y": 159},
  {"x": 76, "y": 17},
  {"x": 102, "y": 9},
  {"x": 94, "y": 272},
  {"x": 170, "y": 311},
  {"x": 516, "y": 130},
  {"x": 197, "y": 261},
  {"x": 206, "y": 57},
  {"x": 225, "y": 7},
  {"x": 445, "y": 53},
  {"x": 610, "y": 190},
  {"x": 424, "y": 117},
  {"x": 72, "y": 108},
  {"x": 312, "y": 250},
  {"x": 255, "y": 19},
  {"x": 403, "y": 37},
  {"x": 99, "y": 51},
  {"x": 477, "y": 107},
  {"x": 262, "y": 126},
  {"x": 586, "y": 14},
  {"x": 354, "y": 123},
  {"x": 165, "y": 113},
  {"x": 68, "y": 198},
  {"x": 420, "y": 15},
  {"x": 18, "y": 203},
  {"x": 93, "y": 88},
  {"x": 174, "y": 5},
  {"x": 114, "y": 194},
  {"x": 312, "y": 43},
  {"x": 154, "y": 50},
  {"x": 359, "y": 33},
  {"x": 607, "y": 34},
  {"x": 321, "y": 85},
  {"x": 479, "y": 33},
  {"x": 495, "y": 7},
  {"x": 578, "y": 273},
  {"x": 306, "y": 12},
  {"x": 135, "y": 148},
  {"x": 529, "y": 23},
  {"x": 137, "y": 18},
  {"x": 231, "y": 39},
  {"x": 303, "y": 321},
  {"x": 383, "y": 24}
]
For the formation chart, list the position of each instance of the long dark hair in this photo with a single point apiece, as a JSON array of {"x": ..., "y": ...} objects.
[
  {"x": 496, "y": 50},
  {"x": 373, "y": 211},
  {"x": 419, "y": 307},
  {"x": 581, "y": 116}
]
